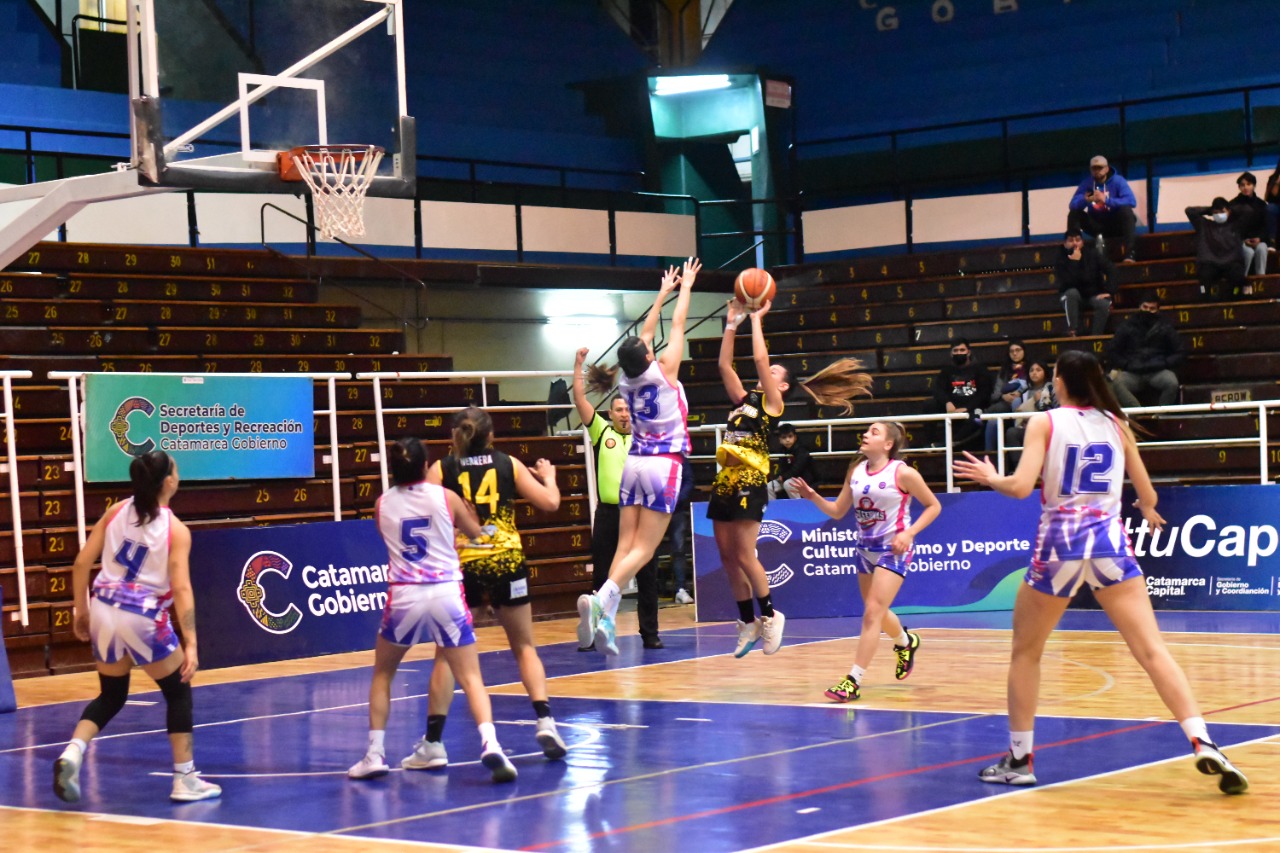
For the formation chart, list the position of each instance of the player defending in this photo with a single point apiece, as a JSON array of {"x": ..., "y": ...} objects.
[{"x": 1081, "y": 451}]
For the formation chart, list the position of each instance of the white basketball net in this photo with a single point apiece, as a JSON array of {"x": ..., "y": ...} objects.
[{"x": 339, "y": 177}]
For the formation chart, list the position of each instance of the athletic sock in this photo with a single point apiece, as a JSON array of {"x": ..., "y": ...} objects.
[
  {"x": 542, "y": 708},
  {"x": 75, "y": 749},
  {"x": 747, "y": 611},
  {"x": 1021, "y": 744},
  {"x": 856, "y": 672},
  {"x": 488, "y": 735},
  {"x": 610, "y": 598},
  {"x": 435, "y": 727},
  {"x": 184, "y": 768},
  {"x": 766, "y": 605},
  {"x": 902, "y": 640},
  {"x": 377, "y": 738},
  {"x": 1194, "y": 727}
]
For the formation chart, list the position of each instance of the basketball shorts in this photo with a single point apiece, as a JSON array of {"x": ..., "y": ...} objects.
[
  {"x": 869, "y": 561},
  {"x": 506, "y": 590},
  {"x": 652, "y": 482},
  {"x": 747, "y": 503},
  {"x": 421, "y": 612},
  {"x": 116, "y": 632},
  {"x": 1063, "y": 578}
]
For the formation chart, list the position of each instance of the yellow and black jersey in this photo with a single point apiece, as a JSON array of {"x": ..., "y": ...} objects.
[
  {"x": 487, "y": 481},
  {"x": 744, "y": 451}
]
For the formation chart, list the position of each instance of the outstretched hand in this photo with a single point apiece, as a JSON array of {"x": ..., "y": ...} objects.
[
  {"x": 805, "y": 490},
  {"x": 691, "y": 268},
  {"x": 737, "y": 313},
  {"x": 669, "y": 280},
  {"x": 981, "y": 471},
  {"x": 762, "y": 310}
]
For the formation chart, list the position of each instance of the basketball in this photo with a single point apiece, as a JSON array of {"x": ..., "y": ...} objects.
[{"x": 754, "y": 287}]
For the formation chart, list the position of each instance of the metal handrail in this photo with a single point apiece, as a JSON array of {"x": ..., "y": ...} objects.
[{"x": 15, "y": 504}]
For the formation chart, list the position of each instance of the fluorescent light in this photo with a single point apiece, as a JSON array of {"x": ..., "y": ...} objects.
[
  {"x": 583, "y": 321},
  {"x": 694, "y": 83}
]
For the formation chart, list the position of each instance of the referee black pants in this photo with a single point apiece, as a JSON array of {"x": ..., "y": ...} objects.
[{"x": 604, "y": 543}]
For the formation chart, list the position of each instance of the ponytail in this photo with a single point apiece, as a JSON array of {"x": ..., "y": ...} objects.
[
  {"x": 407, "y": 459},
  {"x": 472, "y": 432},
  {"x": 147, "y": 473},
  {"x": 601, "y": 379},
  {"x": 898, "y": 435},
  {"x": 1081, "y": 375},
  {"x": 836, "y": 385}
]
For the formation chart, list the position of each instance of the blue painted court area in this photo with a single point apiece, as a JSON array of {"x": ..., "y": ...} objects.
[{"x": 640, "y": 775}]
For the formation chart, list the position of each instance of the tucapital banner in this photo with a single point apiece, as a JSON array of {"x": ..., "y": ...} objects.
[
  {"x": 275, "y": 593},
  {"x": 215, "y": 427}
]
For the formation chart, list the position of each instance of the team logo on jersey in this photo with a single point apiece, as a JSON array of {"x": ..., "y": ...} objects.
[
  {"x": 868, "y": 513},
  {"x": 778, "y": 532},
  {"x": 610, "y": 443},
  {"x": 253, "y": 596},
  {"x": 120, "y": 426}
]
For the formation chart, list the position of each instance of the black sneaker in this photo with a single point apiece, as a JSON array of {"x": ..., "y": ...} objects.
[
  {"x": 1010, "y": 771},
  {"x": 1211, "y": 762}
]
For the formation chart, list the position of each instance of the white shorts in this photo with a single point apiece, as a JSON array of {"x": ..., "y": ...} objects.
[
  {"x": 869, "y": 561},
  {"x": 115, "y": 632},
  {"x": 418, "y": 612},
  {"x": 1063, "y": 578},
  {"x": 652, "y": 482}
]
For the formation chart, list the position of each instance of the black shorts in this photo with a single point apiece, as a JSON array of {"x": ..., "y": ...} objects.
[
  {"x": 746, "y": 504},
  {"x": 510, "y": 589}
]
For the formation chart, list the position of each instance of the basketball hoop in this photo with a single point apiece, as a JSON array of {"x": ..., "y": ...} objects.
[{"x": 338, "y": 177}]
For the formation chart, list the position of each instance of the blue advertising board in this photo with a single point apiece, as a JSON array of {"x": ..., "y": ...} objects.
[
  {"x": 1218, "y": 551},
  {"x": 275, "y": 593},
  {"x": 8, "y": 700}
]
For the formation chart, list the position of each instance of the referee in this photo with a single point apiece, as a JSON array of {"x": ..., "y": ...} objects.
[{"x": 612, "y": 441}]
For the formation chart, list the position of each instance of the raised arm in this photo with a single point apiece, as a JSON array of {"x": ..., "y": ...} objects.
[
  {"x": 729, "y": 376},
  {"x": 184, "y": 599},
  {"x": 760, "y": 355},
  {"x": 669, "y": 281},
  {"x": 673, "y": 353},
  {"x": 538, "y": 486},
  {"x": 586, "y": 411},
  {"x": 1021, "y": 482}
]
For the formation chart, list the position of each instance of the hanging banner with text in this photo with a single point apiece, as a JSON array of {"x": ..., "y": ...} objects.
[
  {"x": 1217, "y": 552},
  {"x": 276, "y": 593},
  {"x": 215, "y": 427}
]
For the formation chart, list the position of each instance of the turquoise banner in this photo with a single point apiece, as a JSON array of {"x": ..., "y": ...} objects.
[{"x": 215, "y": 427}]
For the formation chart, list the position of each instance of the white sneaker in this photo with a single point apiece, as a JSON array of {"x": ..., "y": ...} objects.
[
  {"x": 426, "y": 755},
  {"x": 771, "y": 631},
  {"x": 549, "y": 739},
  {"x": 373, "y": 765},
  {"x": 499, "y": 765},
  {"x": 748, "y": 636},
  {"x": 66, "y": 777},
  {"x": 189, "y": 787},
  {"x": 683, "y": 597},
  {"x": 589, "y": 612}
]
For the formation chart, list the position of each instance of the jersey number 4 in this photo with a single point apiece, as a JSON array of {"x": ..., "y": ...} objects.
[
  {"x": 486, "y": 494},
  {"x": 1084, "y": 469},
  {"x": 131, "y": 555}
]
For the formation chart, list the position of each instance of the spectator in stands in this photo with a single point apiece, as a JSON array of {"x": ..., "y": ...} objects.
[
  {"x": 1272, "y": 198},
  {"x": 1103, "y": 206},
  {"x": 797, "y": 463},
  {"x": 1083, "y": 277},
  {"x": 611, "y": 440},
  {"x": 962, "y": 386},
  {"x": 1145, "y": 353},
  {"x": 1219, "y": 252},
  {"x": 1011, "y": 381},
  {"x": 1250, "y": 215},
  {"x": 1039, "y": 397}
]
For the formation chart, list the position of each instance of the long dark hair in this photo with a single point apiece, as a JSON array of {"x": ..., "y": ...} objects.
[
  {"x": 472, "y": 431},
  {"x": 835, "y": 385},
  {"x": 407, "y": 459},
  {"x": 1007, "y": 366},
  {"x": 1082, "y": 379},
  {"x": 633, "y": 359},
  {"x": 147, "y": 473}
]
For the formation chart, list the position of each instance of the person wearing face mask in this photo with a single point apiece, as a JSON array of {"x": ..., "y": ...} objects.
[
  {"x": 1219, "y": 252},
  {"x": 1145, "y": 352},
  {"x": 964, "y": 385}
]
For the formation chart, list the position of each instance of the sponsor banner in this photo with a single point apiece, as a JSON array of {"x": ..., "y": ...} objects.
[
  {"x": 216, "y": 427},
  {"x": 275, "y": 593},
  {"x": 1218, "y": 550},
  {"x": 973, "y": 557}
]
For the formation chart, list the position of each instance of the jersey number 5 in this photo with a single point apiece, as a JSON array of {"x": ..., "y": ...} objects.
[
  {"x": 1084, "y": 469},
  {"x": 412, "y": 532}
]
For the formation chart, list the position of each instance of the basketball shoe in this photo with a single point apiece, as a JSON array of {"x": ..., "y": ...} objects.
[
  {"x": 426, "y": 755},
  {"x": 906, "y": 656},
  {"x": 549, "y": 739},
  {"x": 1010, "y": 771},
  {"x": 844, "y": 690},
  {"x": 1211, "y": 762},
  {"x": 189, "y": 787},
  {"x": 606, "y": 634},
  {"x": 748, "y": 636},
  {"x": 66, "y": 775},
  {"x": 589, "y": 613},
  {"x": 771, "y": 631},
  {"x": 500, "y": 767},
  {"x": 373, "y": 765}
]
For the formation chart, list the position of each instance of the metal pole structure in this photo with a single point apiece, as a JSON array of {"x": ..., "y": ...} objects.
[
  {"x": 382, "y": 433},
  {"x": 15, "y": 504},
  {"x": 332, "y": 384},
  {"x": 1263, "y": 460}
]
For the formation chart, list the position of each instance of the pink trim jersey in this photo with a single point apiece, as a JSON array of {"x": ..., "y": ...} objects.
[
  {"x": 659, "y": 413},
  {"x": 417, "y": 527},
  {"x": 135, "y": 562},
  {"x": 882, "y": 509},
  {"x": 1081, "y": 483}
]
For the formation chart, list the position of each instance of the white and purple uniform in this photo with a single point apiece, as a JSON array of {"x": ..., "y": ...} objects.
[
  {"x": 424, "y": 575},
  {"x": 1082, "y": 537},
  {"x": 129, "y": 610},
  {"x": 659, "y": 440},
  {"x": 883, "y": 510}
]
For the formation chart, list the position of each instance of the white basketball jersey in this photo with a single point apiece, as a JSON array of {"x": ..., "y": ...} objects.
[
  {"x": 135, "y": 562},
  {"x": 882, "y": 509},
  {"x": 417, "y": 527},
  {"x": 659, "y": 413},
  {"x": 1082, "y": 479}
]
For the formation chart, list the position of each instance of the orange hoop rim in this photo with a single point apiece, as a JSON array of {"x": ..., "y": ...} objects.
[{"x": 290, "y": 162}]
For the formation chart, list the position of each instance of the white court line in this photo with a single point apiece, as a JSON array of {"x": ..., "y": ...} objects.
[{"x": 1013, "y": 792}]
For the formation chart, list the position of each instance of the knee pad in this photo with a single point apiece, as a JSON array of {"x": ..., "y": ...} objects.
[
  {"x": 114, "y": 693},
  {"x": 177, "y": 696}
]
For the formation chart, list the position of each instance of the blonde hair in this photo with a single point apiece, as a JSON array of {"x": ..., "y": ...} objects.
[{"x": 836, "y": 385}]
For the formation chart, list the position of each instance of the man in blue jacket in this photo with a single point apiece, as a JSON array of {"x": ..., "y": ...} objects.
[{"x": 1103, "y": 206}]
